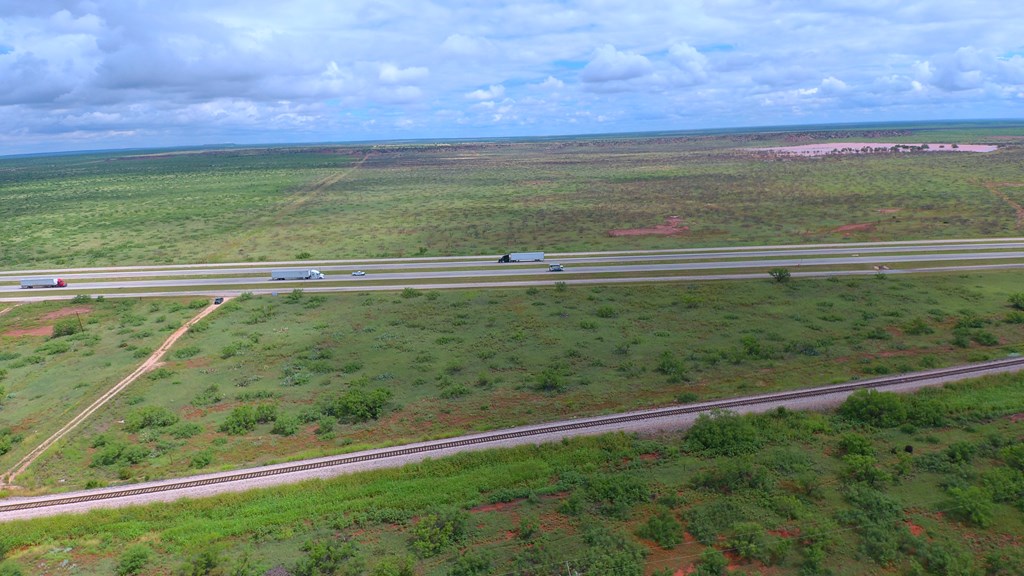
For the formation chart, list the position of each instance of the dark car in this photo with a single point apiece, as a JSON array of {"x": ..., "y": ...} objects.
[{"x": 218, "y": 300}]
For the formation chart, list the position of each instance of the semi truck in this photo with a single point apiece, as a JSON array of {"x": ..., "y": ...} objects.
[
  {"x": 299, "y": 274},
  {"x": 522, "y": 257},
  {"x": 43, "y": 283}
]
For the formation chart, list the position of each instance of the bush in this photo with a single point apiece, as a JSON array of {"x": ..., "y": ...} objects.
[
  {"x": 549, "y": 380},
  {"x": 209, "y": 396},
  {"x": 329, "y": 557},
  {"x": 358, "y": 405},
  {"x": 752, "y": 542},
  {"x": 241, "y": 420},
  {"x": 712, "y": 563},
  {"x": 186, "y": 352},
  {"x": 285, "y": 426},
  {"x": 855, "y": 444},
  {"x": 149, "y": 417},
  {"x": 185, "y": 430},
  {"x": 66, "y": 327},
  {"x": 472, "y": 563},
  {"x": 723, "y": 434},
  {"x": 410, "y": 292},
  {"x": 133, "y": 560},
  {"x": 732, "y": 476},
  {"x": 81, "y": 299},
  {"x": 781, "y": 275},
  {"x": 201, "y": 459},
  {"x": 266, "y": 413},
  {"x": 664, "y": 529},
  {"x": 973, "y": 504},
  {"x": 437, "y": 531},
  {"x": 879, "y": 409},
  {"x": 1017, "y": 300}
]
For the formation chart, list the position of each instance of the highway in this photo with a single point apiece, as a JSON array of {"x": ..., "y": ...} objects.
[{"x": 482, "y": 270}]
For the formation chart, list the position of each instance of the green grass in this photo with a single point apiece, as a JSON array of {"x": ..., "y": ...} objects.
[
  {"x": 486, "y": 198},
  {"x": 551, "y": 504},
  {"x": 456, "y": 361}
]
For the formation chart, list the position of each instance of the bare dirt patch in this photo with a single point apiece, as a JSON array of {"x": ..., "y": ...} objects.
[
  {"x": 670, "y": 227},
  {"x": 855, "y": 227},
  {"x": 888, "y": 210},
  {"x": 823, "y": 148},
  {"x": 66, "y": 312},
  {"x": 38, "y": 331},
  {"x": 496, "y": 507}
]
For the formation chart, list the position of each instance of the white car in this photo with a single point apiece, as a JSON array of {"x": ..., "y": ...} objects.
[{"x": 359, "y": 273}]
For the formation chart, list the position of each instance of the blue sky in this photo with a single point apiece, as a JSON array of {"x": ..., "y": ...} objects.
[{"x": 94, "y": 74}]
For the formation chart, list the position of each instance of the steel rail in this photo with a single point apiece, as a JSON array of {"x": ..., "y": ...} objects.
[{"x": 595, "y": 422}]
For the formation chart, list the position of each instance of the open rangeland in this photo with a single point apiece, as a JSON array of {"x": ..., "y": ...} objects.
[
  {"x": 888, "y": 485},
  {"x": 343, "y": 201}
]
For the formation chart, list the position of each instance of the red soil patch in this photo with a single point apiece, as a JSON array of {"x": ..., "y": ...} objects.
[
  {"x": 66, "y": 312},
  {"x": 670, "y": 227},
  {"x": 914, "y": 528},
  {"x": 40, "y": 331},
  {"x": 889, "y": 210},
  {"x": 1019, "y": 417},
  {"x": 855, "y": 227}
]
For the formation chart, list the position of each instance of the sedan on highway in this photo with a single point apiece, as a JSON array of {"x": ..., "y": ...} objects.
[{"x": 359, "y": 273}]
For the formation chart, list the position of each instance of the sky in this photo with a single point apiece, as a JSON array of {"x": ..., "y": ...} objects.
[{"x": 102, "y": 74}]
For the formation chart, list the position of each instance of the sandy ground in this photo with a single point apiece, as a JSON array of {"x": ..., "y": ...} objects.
[{"x": 857, "y": 147}]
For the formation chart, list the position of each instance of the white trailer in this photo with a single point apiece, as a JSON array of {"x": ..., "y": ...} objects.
[
  {"x": 522, "y": 257},
  {"x": 43, "y": 283},
  {"x": 296, "y": 274}
]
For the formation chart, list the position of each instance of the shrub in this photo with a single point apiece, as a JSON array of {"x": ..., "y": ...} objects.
[
  {"x": 732, "y": 476},
  {"x": 664, "y": 529},
  {"x": 186, "y": 352},
  {"x": 1017, "y": 300},
  {"x": 712, "y": 563},
  {"x": 437, "y": 531},
  {"x": 201, "y": 459},
  {"x": 66, "y": 327},
  {"x": 472, "y": 563},
  {"x": 329, "y": 557},
  {"x": 723, "y": 434},
  {"x": 209, "y": 396},
  {"x": 81, "y": 299},
  {"x": 410, "y": 292},
  {"x": 358, "y": 405},
  {"x": 149, "y": 417},
  {"x": 855, "y": 444},
  {"x": 133, "y": 560},
  {"x": 879, "y": 409},
  {"x": 185, "y": 430},
  {"x": 781, "y": 275},
  {"x": 615, "y": 495},
  {"x": 266, "y": 413},
  {"x": 285, "y": 426},
  {"x": 549, "y": 380},
  {"x": 606, "y": 312},
  {"x": 752, "y": 542},
  {"x": 241, "y": 420},
  {"x": 973, "y": 504}
]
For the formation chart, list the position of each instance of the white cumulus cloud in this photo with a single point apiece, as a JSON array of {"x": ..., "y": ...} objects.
[
  {"x": 610, "y": 65},
  {"x": 492, "y": 92}
]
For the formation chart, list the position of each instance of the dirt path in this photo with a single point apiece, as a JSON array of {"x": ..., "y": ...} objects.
[
  {"x": 8, "y": 309},
  {"x": 993, "y": 187},
  {"x": 146, "y": 366}
]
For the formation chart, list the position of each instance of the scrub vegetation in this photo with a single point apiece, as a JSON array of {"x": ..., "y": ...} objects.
[
  {"x": 266, "y": 204},
  {"x": 780, "y": 493}
]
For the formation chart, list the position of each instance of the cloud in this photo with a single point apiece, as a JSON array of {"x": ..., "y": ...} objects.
[
  {"x": 462, "y": 45},
  {"x": 609, "y": 65},
  {"x": 391, "y": 74},
  {"x": 491, "y": 93},
  {"x": 551, "y": 83},
  {"x": 691, "y": 64}
]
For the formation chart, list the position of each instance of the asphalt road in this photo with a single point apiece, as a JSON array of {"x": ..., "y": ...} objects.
[{"x": 472, "y": 269}]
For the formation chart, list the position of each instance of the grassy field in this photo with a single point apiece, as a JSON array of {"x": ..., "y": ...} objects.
[
  {"x": 493, "y": 197},
  {"x": 934, "y": 488},
  {"x": 344, "y": 371}
]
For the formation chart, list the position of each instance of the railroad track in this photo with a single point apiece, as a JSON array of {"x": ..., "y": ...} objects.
[{"x": 540, "y": 430}]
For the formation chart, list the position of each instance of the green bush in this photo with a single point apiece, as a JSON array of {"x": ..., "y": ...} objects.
[
  {"x": 241, "y": 420},
  {"x": 358, "y": 405},
  {"x": 329, "y": 557},
  {"x": 133, "y": 560},
  {"x": 1017, "y": 300},
  {"x": 723, "y": 434},
  {"x": 663, "y": 529},
  {"x": 285, "y": 426},
  {"x": 149, "y": 417},
  {"x": 471, "y": 563},
  {"x": 879, "y": 409},
  {"x": 438, "y": 531},
  {"x": 201, "y": 459},
  {"x": 855, "y": 444},
  {"x": 209, "y": 396},
  {"x": 66, "y": 327},
  {"x": 266, "y": 413},
  {"x": 732, "y": 476},
  {"x": 186, "y": 352},
  {"x": 973, "y": 504},
  {"x": 712, "y": 563}
]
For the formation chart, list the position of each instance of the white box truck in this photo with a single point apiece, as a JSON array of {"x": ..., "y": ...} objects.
[
  {"x": 43, "y": 283},
  {"x": 522, "y": 257},
  {"x": 296, "y": 274}
]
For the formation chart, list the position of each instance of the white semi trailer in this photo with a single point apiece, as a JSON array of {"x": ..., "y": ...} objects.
[
  {"x": 296, "y": 274},
  {"x": 522, "y": 257},
  {"x": 43, "y": 283}
]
